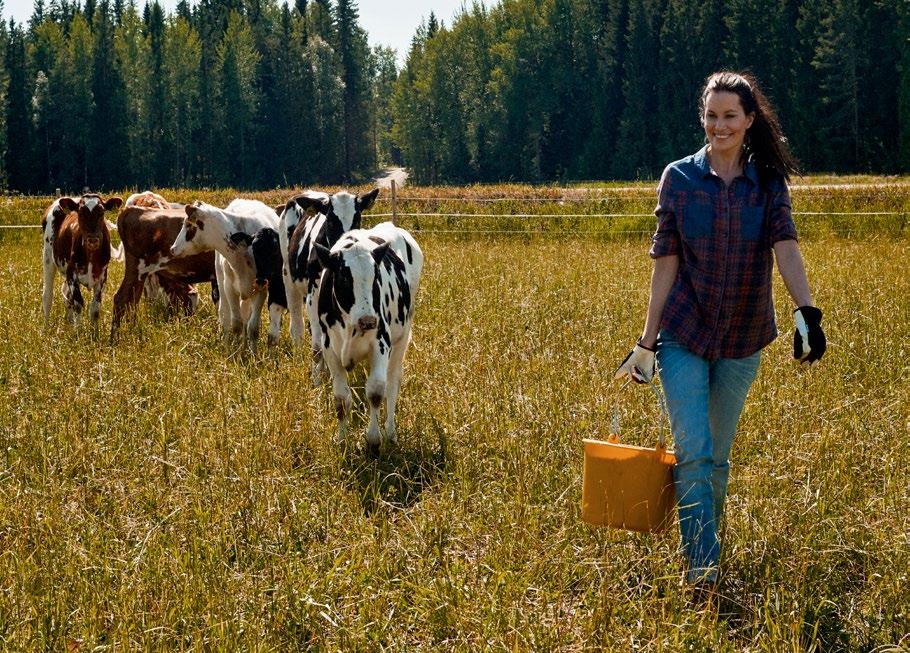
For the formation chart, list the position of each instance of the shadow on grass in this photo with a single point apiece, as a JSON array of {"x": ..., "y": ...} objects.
[{"x": 398, "y": 474}]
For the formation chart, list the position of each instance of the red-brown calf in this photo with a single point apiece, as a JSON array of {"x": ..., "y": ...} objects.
[
  {"x": 147, "y": 235},
  {"x": 77, "y": 243}
]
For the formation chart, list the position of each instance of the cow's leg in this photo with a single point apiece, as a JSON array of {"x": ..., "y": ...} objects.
[
  {"x": 276, "y": 311},
  {"x": 229, "y": 305},
  {"x": 74, "y": 301},
  {"x": 341, "y": 392},
  {"x": 47, "y": 295},
  {"x": 376, "y": 389},
  {"x": 319, "y": 366},
  {"x": 94, "y": 310},
  {"x": 191, "y": 297},
  {"x": 233, "y": 324},
  {"x": 128, "y": 294},
  {"x": 254, "y": 320},
  {"x": 295, "y": 294},
  {"x": 393, "y": 385}
]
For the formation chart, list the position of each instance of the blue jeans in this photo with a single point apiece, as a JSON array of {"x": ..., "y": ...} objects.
[{"x": 704, "y": 400}]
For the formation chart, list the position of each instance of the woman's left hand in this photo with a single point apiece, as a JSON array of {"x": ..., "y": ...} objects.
[{"x": 809, "y": 342}]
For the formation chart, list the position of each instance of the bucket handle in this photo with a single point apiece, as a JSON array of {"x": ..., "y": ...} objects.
[{"x": 658, "y": 393}]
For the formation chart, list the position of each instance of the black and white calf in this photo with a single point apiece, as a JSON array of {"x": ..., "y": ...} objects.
[
  {"x": 313, "y": 217},
  {"x": 229, "y": 232},
  {"x": 266, "y": 250},
  {"x": 365, "y": 306}
]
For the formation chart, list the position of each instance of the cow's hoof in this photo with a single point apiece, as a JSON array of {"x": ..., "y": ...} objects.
[
  {"x": 392, "y": 434},
  {"x": 374, "y": 437},
  {"x": 373, "y": 449}
]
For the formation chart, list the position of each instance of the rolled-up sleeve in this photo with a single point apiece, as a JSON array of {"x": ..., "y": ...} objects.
[
  {"x": 780, "y": 216},
  {"x": 665, "y": 241}
]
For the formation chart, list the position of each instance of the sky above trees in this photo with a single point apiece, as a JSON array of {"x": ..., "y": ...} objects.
[{"x": 387, "y": 22}]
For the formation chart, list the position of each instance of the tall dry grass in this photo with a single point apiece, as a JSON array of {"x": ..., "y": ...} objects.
[{"x": 165, "y": 494}]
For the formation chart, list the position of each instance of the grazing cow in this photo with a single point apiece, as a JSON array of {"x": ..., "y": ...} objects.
[
  {"x": 365, "y": 303},
  {"x": 309, "y": 218},
  {"x": 146, "y": 235},
  {"x": 266, "y": 249},
  {"x": 229, "y": 232},
  {"x": 77, "y": 242}
]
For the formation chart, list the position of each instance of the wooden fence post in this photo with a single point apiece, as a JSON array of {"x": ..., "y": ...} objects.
[{"x": 394, "y": 203}]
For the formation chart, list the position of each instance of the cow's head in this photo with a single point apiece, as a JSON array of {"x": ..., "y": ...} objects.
[
  {"x": 90, "y": 209},
  {"x": 192, "y": 237},
  {"x": 266, "y": 256},
  {"x": 343, "y": 210},
  {"x": 353, "y": 264}
]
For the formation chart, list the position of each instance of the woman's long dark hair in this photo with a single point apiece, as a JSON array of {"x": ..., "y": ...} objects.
[{"x": 765, "y": 141}]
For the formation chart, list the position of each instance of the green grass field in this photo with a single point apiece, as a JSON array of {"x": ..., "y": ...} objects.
[{"x": 165, "y": 495}]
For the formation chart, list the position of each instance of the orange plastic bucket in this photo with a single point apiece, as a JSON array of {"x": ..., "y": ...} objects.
[{"x": 626, "y": 486}]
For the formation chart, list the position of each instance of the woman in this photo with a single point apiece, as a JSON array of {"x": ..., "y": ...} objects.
[{"x": 720, "y": 214}]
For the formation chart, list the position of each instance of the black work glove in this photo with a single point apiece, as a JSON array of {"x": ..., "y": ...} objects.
[{"x": 808, "y": 340}]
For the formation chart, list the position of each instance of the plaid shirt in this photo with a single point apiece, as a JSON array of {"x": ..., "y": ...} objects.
[{"x": 720, "y": 305}]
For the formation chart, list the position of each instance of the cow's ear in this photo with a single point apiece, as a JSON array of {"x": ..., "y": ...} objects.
[
  {"x": 67, "y": 204},
  {"x": 324, "y": 255},
  {"x": 365, "y": 201},
  {"x": 113, "y": 203},
  {"x": 317, "y": 204},
  {"x": 241, "y": 239},
  {"x": 190, "y": 209},
  {"x": 280, "y": 208},
  {"x": 380, "y": 252}
]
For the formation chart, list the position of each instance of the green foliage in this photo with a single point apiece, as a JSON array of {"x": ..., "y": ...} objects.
[
  {"x": 133, "y": 56},
  {"x": 609, "y": 88},
  {"x": 182, "y": 59},
  {"x": 520, "y": 89},
  {"x": 239, "y": 92},
  {"x": 236, "y": 100}
]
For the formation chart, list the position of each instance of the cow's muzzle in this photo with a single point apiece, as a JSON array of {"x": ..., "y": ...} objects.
[
  {"x": 260, "y": 284},
  {"x": 367, "y": 322},
  {"x": 93, "y": 244}
]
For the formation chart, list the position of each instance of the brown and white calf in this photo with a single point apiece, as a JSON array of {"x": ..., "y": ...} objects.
[
  {"x": 146, "y": 235},
  {"x": 155, "y": 288},
  {"x": 229, "y": 232},
  {"x": 77, "y": 243}
]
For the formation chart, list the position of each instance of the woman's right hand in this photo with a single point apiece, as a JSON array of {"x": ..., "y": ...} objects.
[{"x": 640, "y": 365}]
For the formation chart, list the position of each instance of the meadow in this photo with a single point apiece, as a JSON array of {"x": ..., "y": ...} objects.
[{"x": 166, "y": 494}]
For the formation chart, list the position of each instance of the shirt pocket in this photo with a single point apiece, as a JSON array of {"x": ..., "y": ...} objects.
[
  {"x": 697, "y": 231},
  {"x": 698, "y": 221},
  {"x": 751, "y": 221}
]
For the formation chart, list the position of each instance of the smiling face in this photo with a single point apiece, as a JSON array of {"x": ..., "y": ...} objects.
[{"x": 725, "y": 122}]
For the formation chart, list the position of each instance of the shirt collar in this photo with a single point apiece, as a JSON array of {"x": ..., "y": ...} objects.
[{"x": 704, "y": 166}]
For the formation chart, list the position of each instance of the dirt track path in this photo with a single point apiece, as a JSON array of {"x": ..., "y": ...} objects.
[{"x": 384, "y": 180}]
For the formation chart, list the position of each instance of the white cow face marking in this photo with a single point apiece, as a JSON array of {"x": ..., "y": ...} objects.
[
  {"x": 344, "y": 206},
  {"x": 187, "y": 241},
  {"x": 92, "y": 202}
]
